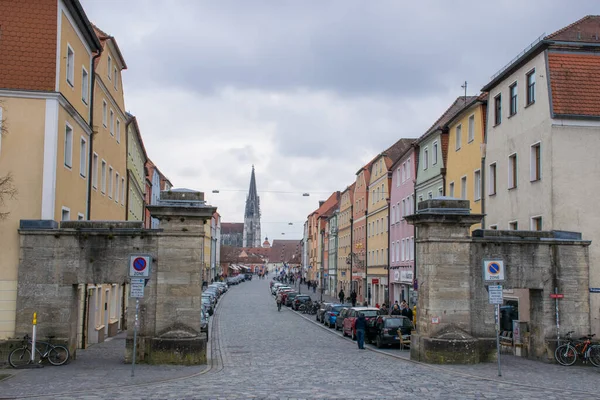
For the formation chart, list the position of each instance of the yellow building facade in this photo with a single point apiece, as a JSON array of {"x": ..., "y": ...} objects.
[
  {"x": 377, "y": 230},
  {"x": 136, "y": 175},
  {"x": 466, "y": 137},
  {"x": 344, "y": 242},
  {"x": 45, "y": 111},
  {"x": 109, "y": 159}
]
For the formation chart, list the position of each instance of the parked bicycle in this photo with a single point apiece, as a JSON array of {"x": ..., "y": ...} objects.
[
  {"x": 55, "y": 354},
  {"x": 566, "y": 354}
]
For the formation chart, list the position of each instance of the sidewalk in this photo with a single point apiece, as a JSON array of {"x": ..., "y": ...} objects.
[{"x": 97, "y": 367}]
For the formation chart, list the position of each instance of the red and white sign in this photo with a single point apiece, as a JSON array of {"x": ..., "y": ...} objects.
[
  {"x": 375, "y": 281},
  {"x": 557, "y": 296}
]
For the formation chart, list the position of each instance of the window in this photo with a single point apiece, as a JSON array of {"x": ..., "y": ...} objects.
[
  {"x": 402, "y": 255},
  {"x": 82, "y": 157},
  {"x": 398, "y": 177},
  {"x": 494, "y": 227},
  {"x": 95, "y": 171},
  {"x": 117, "y": 187},
  {"x": 85, "y": 86},
  {"x": 498, "y": 109},
  {"x": 434, "y": 150},
  {"x": 393, "y": 214},
  {"x": 513, "y": 226},
  {"x": 471, "y": 128},
  {"x": 109, "y": 68},
  {"x": 536, "y": 163},
  {"x": 110, "y": 182},
  {"x": 425, "y": 158},
  {"x": 531, "y": 87},
  {"x": 393, "y": 252},
  {"x": 412, "y": 248},
  {"x": 116, "y": 80},
  {"x": 398, "y": 216},
  {"x": 103, "y": 189},
  {"x": 80, "y": 217},
  {"x": 112, "y": 122},
  {"x": 430, "y": 195},
  {"x": 70, "y": 65},
  {"x": 536, "y": 223},
  {"x": 403, "y": 207},
  {"x": 68, "y": 146},
  {"x": 512, "y": 171},
  {"x": 463, "y": 187},
  {"x": 408, "y": 176},
  {"x": 513, "y": 99},
  {"x": 65, "y": 215},
  {"x": 492, "y": 180},
  {"x": 458, "y": 137},
  {"x": 440, "y": 192},
  {"x": 420, "y": 198},
  {"x": 451, "y": 189},
  {"x": 477, "y": 185},
  {"x": 118, "y": 131},
  {"x": 104, "y": 114}
]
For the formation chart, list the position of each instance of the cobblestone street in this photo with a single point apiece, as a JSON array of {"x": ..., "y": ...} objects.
[{"x": 258, "y": 352}]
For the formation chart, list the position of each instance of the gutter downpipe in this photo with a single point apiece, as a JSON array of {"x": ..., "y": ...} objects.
[
  {"x": 367, "y": 260},
  {"x": 351, "y": 246},
  {"x": 389, "y": 281},
  {"x": 91, "y": 151},
  {"x": 84, "y": 321}
]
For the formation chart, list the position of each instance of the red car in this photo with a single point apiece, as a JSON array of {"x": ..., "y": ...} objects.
[
  {"x": 348, "y": 329},
  {"x": 284, "y": 294}
]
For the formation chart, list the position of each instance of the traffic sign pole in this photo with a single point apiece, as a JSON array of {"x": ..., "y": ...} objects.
[
  {"x": 135, "y": 328},
  {"x": 498, "y": 337}
]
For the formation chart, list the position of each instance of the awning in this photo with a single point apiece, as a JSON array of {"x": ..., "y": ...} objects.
[
  {"x": 244, "y": 267},
  {"x": 233, "y": 267}
]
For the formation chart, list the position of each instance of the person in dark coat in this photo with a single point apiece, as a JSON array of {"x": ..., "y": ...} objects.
[
  {"x": 383, "y": 310},
  {"x": 406, "y": 311},
  {"x": 360, "y": 325},
  {"x": 353, "y": 298},
  {"x": 396, "y": 310},
  {"x": 342, "y": 295}
]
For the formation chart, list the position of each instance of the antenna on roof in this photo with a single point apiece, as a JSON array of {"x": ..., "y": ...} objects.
[{"x": 464, "y": 86}]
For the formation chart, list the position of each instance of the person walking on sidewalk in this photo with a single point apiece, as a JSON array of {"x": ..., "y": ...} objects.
[
  {"x": 279, "y": 300},
  {"x": 360, "y": 325},
  {"x": 342, "y": 296},
  {"x": 353, "y": 298}
]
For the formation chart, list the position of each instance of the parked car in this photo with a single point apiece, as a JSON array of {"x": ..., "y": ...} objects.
[
  {"x": 211, "y": 297},
  {"x": 300, "y": 299},
  {"x": 339, "y": 321},
  {"x": 277, "y": 289},
  {"x": 207, "y": 306},
  {"x": 289, "y": 298},
  {"x": 321, "y": 311},
  {"x": 204, "y": 323},
  {"x": 331, "y": 313},
  {"x": 285, "y": 294},
  {"x": 248, "y": 276},
  {"x": 383, "y": 330},
  {"x": 348, "y": 328}
]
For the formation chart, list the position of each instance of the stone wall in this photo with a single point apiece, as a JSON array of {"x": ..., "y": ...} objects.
[
  {"x": 54, "y": 261},
  {"x": 455, "y": 322}
]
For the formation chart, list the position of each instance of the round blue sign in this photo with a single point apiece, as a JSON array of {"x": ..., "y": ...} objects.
[
  {"x": 494, "y": 268},
  {"x": 139, "y": 264}
]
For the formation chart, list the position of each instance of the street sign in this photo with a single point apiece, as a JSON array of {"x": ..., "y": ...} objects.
[
  {"x": 595, "y": 290},
  {"x": 137, "y": 287},
  {"x": 375, "y": 281},
  {"x": 139, "y": 265},
  {"x": 493, "y": 270},
  {"x": 495, "y": 294},
  {"x": 556, "y": 296}
]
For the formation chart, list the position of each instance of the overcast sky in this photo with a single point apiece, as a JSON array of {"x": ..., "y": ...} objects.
[{"x": 307, "y": 91}]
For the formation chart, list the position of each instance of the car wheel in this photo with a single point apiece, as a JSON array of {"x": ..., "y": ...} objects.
[
  {"x": 331, "y": 325},
  {"x": 344, "y": 332},
  {"x": 378, "y": 342}
]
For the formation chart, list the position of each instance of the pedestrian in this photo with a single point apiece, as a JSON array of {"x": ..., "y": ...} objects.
[
  {"x": 342, "y": 295},
  {"x": 279, "y": 299},
  {"x": 396, "y": 310},
  {"x": 315, "y": 287},
  {"x": 406, "y": 311},
  {"x": 360, "y": 325},
  {"x": 383, "y": 310},
  {"x": 353, "y": 298},
  {"x": 377, "y": 305}
]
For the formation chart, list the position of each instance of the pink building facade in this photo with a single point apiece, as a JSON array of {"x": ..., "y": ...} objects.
[{"x": 402, "y": 234}]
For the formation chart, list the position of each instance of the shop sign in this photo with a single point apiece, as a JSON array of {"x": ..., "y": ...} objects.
[
  {"x": 396, "y": 276},
  {"x": 406, "y": 276}
]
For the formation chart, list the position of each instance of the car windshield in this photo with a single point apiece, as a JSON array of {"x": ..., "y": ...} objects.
[
  {"x": 393, "y": 322},
  {"x": 369, "y": 313},
  {"x": 337, "y": 308}
]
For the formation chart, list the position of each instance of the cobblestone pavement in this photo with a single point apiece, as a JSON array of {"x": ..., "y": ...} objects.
[{"x": 257, "y": 352}]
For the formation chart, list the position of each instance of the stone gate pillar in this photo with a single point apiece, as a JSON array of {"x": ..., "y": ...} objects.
[
  {"x": 443, "y": 272},
  {"x": 169, "y": 331}
]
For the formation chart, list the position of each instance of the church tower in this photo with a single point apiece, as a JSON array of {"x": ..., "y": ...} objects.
[{"x": 252, "y": 216}]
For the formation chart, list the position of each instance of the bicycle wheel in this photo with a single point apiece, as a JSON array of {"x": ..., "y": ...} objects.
[
  {"x": 565, "y": 355},
  {"x": 19, "y": 357},
  {"x": 58, "y": 355},
  {"x": 594, "y": 355}
]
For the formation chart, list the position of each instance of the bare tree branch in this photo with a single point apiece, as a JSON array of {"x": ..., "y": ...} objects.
[{"x": 8, "y": 191}]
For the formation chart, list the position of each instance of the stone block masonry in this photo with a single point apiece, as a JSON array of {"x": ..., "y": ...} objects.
[{"x": 54, "y": 262}]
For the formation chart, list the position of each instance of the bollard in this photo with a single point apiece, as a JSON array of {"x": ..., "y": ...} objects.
[
  {"x": 33, "y": 337},
  {"x": 415, "y": 316}
]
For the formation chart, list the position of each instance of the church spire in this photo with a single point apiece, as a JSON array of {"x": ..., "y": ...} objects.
[{"x": 252, "y": 234}]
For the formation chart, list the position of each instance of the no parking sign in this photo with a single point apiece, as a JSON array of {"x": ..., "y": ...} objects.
[
  {"x": 139, "y": 265},
  {"x": 493, "y": 270}
]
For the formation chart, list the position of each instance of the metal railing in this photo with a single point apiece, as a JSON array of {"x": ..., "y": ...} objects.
[{"x": 525, "y": 50}]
